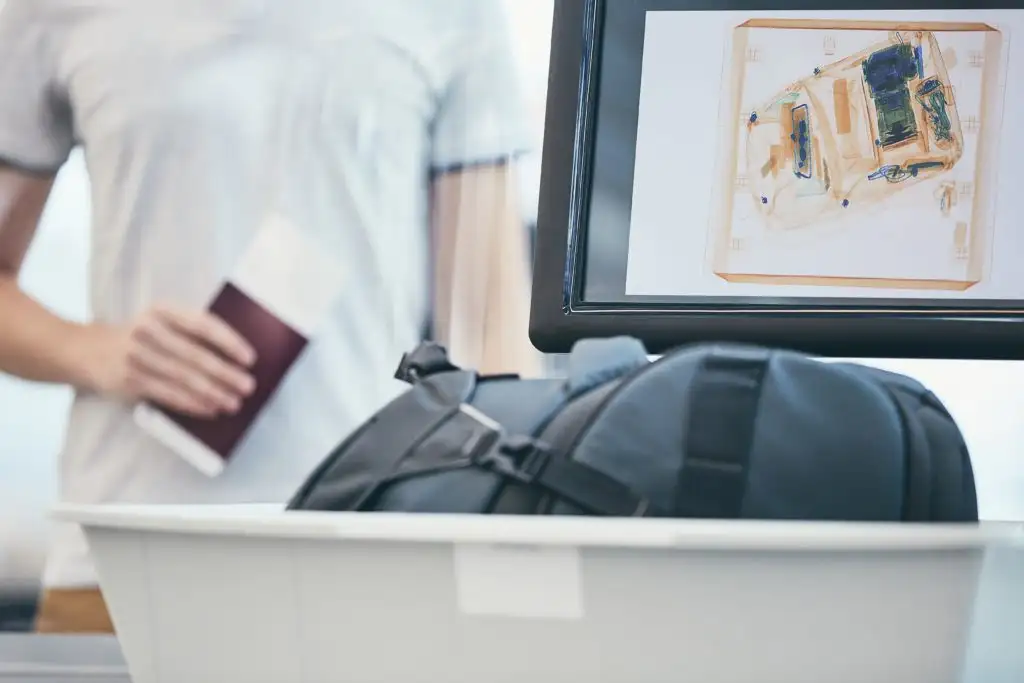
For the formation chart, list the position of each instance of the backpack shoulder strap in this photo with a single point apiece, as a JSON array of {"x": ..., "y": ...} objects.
[
  {"x": 350, "y": 477},
  {"x": 724, "y": 399},
  {"x": 593, "y": 363},
  {"x": 435, "y": 408},
  {"x": 525, "y": 460},
  {"x": 595, "y": 368}
]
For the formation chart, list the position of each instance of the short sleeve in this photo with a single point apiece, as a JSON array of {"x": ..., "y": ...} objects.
[
  {"x": 35, "y": 120},
  {"x": 481, "y": 117}
]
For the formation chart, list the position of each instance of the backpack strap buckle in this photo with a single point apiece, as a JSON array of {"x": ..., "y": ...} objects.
[{"x": 527, "y": 461}]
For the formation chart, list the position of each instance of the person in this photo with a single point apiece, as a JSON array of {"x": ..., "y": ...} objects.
[{"x": 391, "y": 125}]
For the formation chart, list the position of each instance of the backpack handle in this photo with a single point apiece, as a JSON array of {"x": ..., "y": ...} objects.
[
  {"x": 428, "y": 358},
  {"x": 594, "y": 362}
]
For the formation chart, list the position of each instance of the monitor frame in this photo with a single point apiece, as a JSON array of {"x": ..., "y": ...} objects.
[{"x": 560, "y": 316}]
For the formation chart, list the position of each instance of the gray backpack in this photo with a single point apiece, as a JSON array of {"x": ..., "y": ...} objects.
[{"x": 711, "y": 431}]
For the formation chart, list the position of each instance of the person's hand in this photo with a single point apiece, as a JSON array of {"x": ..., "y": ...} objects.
[{"x": 189, "y": 362}]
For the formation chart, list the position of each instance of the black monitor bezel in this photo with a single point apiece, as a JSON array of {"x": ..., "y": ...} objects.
[{"x": 560, "y": 315}]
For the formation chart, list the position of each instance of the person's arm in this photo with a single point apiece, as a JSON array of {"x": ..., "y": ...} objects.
[
  {"x": 482, "y": 264},
  {"x": 155, "y": 356},
  {"x": 35, "y": 344},
  {"x": 163, "y": 355},
  {"x": 35, "y": 140},
  {"x": 482, "y": 284}
]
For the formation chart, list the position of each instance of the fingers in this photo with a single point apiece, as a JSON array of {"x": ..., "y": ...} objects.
[
  {"x": 172, "y": 396},
  {"x": 162, "y": 376},
  {"x": 190, "y": 357},
  {"x": 208, "y": 328},
  {"x": 174, "y": 360}
]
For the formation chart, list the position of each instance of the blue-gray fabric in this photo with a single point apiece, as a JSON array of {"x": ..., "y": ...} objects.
[{"x": 829, "y": 441}]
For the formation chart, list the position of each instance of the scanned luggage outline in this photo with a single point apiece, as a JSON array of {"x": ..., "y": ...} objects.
[
  {"x": 845, "y": 125},
  {"x": 873, "y": 134}
]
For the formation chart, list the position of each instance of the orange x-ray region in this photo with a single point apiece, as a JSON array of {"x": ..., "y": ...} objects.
[
  {"x": 819, "y": 165},
  {"x": 854, "y": 132}
]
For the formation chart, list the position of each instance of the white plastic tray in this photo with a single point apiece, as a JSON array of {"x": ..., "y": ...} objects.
[{"x": 255, "y": 594}]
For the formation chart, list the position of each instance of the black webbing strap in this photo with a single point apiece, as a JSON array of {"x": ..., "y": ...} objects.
[
  {"x": 528, "y": 461},
  {"x": 591, "y": 489},
  {"x": 724, "y": 400}
]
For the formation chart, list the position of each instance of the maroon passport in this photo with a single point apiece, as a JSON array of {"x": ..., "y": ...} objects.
[{"x": 277, "y": 347}]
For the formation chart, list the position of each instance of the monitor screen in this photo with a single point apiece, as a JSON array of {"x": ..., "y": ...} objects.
[{"x": 796, "y": 161}]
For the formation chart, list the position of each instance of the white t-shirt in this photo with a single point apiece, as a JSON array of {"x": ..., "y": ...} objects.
[{"x": 196, "y": 118}]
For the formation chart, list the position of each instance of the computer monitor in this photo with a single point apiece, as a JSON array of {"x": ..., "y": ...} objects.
[{"x": 836, "y": 178}]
